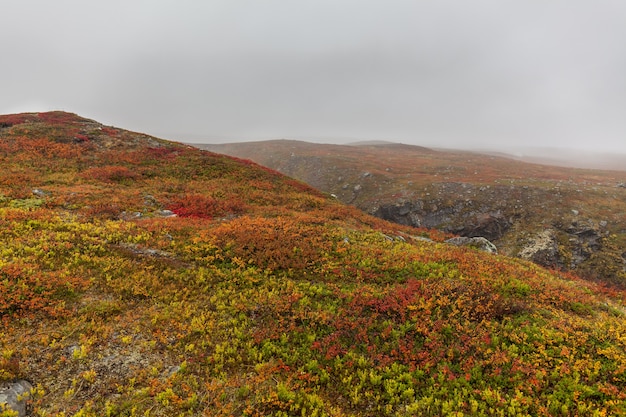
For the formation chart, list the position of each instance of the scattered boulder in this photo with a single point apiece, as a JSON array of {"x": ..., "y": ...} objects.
[
  {"x": 13, "y": 396},
  {"x": 478, "y": 242}
]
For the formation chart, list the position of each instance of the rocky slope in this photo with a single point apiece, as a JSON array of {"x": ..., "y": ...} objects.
[{"x": 566, "y": 218}]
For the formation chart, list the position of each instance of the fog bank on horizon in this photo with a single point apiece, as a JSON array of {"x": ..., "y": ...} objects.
[{"x": 485, "y": 74}]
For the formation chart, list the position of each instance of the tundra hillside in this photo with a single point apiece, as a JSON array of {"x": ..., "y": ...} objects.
[
  {"x": 141, "y": 277},
  {"x": 562, "y": 218}
]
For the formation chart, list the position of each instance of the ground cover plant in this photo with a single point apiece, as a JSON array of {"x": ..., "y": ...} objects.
[{"x": 141, "y": 277}]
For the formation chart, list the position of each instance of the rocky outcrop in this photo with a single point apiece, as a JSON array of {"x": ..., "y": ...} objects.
[
  {"x": 458, "y": 208},
  {"x": 543, "y": 249},
  {"x": 584, "y": 239},
  {"x": 479, "y": 243},
  {"x": 13, "y": 396},
  {"x": 523, "y": 221},
  {"x": 565, "y": 245}
]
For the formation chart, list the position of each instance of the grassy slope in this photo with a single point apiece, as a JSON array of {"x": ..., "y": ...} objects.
[
  {"x": 528, "y": 198},
  {"x": 264, "y": 297}
]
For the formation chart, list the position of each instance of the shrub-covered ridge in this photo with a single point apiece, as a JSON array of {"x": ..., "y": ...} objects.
[{"x": 143, "y": 277}]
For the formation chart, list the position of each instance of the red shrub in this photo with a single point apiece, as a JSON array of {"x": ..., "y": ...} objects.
[
  {"x": 204, "y": 206},
  {"x": 16, "y": 119},
  {"x": 168, "y": 153},
  {"x": 110, "y": 131},
  {"x": 59, "y": 117}
]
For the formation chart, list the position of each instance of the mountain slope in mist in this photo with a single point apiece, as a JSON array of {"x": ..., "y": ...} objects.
[
  {"x": 564, "y": 218},
  {"x": 145, "y": 277}
]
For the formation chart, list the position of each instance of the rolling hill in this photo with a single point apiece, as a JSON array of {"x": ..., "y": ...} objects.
[
  {"x": 564, "y": 218},
  {"x": 141, "y": 277}
]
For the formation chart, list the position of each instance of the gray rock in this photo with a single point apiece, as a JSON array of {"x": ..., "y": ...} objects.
[
  {"x": 40, "y": 193},
  {"x": 488, "y": 216},
  {"x": 543, "y": 249},
  {"x": 13, "y": 396},
  {"x": 172, "y": 370},
  {"x": 478, "y": 242},
  {"x": 165, "y": 213},
  {"x": 420, "y": 238}
]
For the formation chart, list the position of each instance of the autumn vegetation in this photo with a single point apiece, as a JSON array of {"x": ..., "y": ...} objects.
[
  {"x": 141, "y": 277},
  {"x": 509, "y": 201}
]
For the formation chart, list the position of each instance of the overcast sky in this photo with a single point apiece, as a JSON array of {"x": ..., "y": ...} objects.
[{"x": 449, "y": 73}]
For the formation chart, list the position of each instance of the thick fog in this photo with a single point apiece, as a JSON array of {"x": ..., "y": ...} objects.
[{"x": 447, "y": 73}]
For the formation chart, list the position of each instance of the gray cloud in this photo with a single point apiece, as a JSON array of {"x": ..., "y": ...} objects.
[{"x": 437, "y": 72}]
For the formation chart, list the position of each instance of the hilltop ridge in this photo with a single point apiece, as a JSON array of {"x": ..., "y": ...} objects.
[{"x": 140, "y": 276}]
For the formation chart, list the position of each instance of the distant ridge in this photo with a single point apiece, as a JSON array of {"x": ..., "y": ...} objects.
[
  {"x": 371, "y": 143},
  {"x": 576, "y": 159},
  {"x": 393, "y": 145}
]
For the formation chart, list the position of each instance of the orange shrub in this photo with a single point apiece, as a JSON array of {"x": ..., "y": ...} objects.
[
  {"x": 109, "y": 173},
  {"x": 25, "y": 289},
  {"x": 274, "y": 243}
]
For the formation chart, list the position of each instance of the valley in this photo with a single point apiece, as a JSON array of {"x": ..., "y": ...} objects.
[{"x": 560, "y": 217}]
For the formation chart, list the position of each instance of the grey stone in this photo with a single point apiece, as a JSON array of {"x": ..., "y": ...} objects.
[
  {"x": 40, "y": 193},
  {"x": 478, "y": 242},
  {"x": 166, "y": 213},
  {"x": 13, "y": 396},
  {"x": 543, "y": 249}
]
